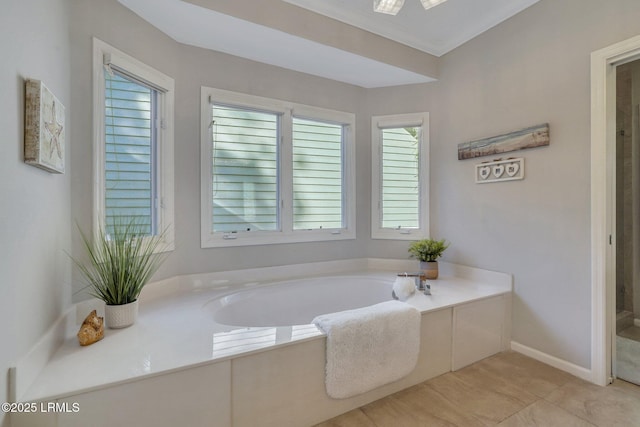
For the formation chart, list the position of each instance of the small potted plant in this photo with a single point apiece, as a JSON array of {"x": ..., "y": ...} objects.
[
  {"x": 120, "y": 263},
  {"x": 427, "y": 251}
]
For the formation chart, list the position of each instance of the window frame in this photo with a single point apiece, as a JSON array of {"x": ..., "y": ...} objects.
[
  {"x": 285, "y": 232},
  {"x": 378, "y": 124},
  {"x": 104, "y": 54}
]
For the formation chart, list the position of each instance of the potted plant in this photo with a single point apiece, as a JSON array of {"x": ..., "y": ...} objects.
[
  {"x": 120, "y": 263},
  {"x": 427, "y": 251}
]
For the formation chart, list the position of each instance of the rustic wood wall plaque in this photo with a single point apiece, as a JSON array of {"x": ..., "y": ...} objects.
[{"x": 534, "y": 136}]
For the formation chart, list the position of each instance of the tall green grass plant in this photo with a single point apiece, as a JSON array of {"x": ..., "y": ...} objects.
[{"x": 121, "y": 262}]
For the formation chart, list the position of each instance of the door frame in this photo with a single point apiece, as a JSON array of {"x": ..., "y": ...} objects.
[{"x": 603, "y": 199}]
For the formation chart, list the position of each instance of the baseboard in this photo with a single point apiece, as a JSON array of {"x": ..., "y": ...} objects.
[
  {"x": 636, "y": 322},
  {"x": 563, "y": 365}
]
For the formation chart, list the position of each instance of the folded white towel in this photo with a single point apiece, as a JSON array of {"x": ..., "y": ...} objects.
[
  {"x": 369, "y": 347},
  {"x": 404, "y": 287}
]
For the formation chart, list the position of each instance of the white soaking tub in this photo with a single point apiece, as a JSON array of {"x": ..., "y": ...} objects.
[
  {"x": 237, "y": 347},
  {"x": 298, "y": 302}
]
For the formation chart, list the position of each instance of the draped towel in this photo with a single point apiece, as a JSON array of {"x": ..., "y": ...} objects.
[{"x": 369, "y": 347}]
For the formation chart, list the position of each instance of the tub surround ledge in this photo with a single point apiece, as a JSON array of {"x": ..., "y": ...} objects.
[{"x": 176, "y": 332}]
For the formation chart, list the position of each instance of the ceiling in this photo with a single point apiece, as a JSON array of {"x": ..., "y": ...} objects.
[
  {"x": 432, "y": 33},
  {"x": 435, "y": 31}
]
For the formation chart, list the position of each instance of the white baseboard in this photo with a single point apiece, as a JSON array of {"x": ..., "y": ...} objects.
[{"x": 563, "y": 365}]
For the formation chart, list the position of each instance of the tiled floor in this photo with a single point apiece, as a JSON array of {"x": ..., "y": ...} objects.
[
  {"x": 628, "y": 354},
  {"x": 632, "y": 332},
  {"x": 508, "y": 389}
]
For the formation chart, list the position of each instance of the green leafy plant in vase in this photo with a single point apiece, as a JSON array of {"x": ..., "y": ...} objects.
[
  {"x": 427, "y": 251},
  {"x": 121, "y": 260}
]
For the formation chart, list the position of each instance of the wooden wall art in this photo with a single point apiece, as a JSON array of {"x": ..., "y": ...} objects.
[{"x": 534, "y": 136}]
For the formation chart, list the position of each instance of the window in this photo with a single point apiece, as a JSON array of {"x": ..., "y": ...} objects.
[
  {"x": 133, "y": 150},
  {"x": 130, "y": 109},
  {"x": 400, "y": 176},
  {"x": 245, "y": 170},
  {"x": 317, "y": 175},
  {"x": 274, "y": 172}
]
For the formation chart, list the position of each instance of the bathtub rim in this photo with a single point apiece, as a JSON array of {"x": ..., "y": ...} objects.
[{"x": 24, "y": 376}]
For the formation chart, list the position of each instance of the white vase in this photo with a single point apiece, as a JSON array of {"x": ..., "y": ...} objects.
[{"x": 121, "y": 316}]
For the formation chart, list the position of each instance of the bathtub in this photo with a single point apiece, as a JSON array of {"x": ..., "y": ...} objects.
[
  {"x": 298, "y": 302},
  {"x": 238, "y": 348}
]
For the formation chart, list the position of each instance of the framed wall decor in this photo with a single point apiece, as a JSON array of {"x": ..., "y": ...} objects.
[
  {"x": 44, "y": 136},
  {"x": 499, "y": 170},
  {"x": 534, "y": 136}
]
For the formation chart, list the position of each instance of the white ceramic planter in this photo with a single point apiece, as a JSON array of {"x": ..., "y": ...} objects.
[{"x": 121, "y": 316}]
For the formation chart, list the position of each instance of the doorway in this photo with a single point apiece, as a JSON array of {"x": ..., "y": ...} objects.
[
  {"x": 627, "y": 275},
  {"x": 603, "y": 204}
]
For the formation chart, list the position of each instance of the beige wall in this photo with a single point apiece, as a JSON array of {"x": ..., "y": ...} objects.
[
  {"x": 192, "y": 68},
  {"x": 35, "y": 272},
  {"x": 531, "y": 69}
]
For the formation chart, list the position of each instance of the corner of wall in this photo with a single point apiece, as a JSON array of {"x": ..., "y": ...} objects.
[{"x": 34, "y": 268}]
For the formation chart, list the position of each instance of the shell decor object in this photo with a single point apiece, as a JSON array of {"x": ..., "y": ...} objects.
[{"x": 92, "y": 329}]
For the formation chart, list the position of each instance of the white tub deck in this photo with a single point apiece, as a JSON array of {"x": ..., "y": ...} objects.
[{"x": 176, "y": 333}]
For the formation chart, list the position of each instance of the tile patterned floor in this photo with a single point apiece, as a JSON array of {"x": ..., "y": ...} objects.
[
  {"x": 506, "y": 390},
  {"x": 632, "y": 332},
  {"x": 627, "y": 351}
]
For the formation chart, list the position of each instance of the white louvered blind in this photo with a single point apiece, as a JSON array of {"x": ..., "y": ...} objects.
[
  {"x": 400, "y": 178},
  {"x": 245, "y": 169},
  {"x": 317, "y": 175},
  {"x": 129, "y": 134}
]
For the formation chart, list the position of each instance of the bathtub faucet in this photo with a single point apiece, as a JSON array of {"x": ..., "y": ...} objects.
[{"x": 420, "y": 280}]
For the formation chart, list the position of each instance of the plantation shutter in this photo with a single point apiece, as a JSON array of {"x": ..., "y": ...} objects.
[
  {"x": 130, "y": 109},
  {"x": 400, "y": 178},
  {"x": 245, "y": 169},
  {"x": 317, "y": 175}
]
